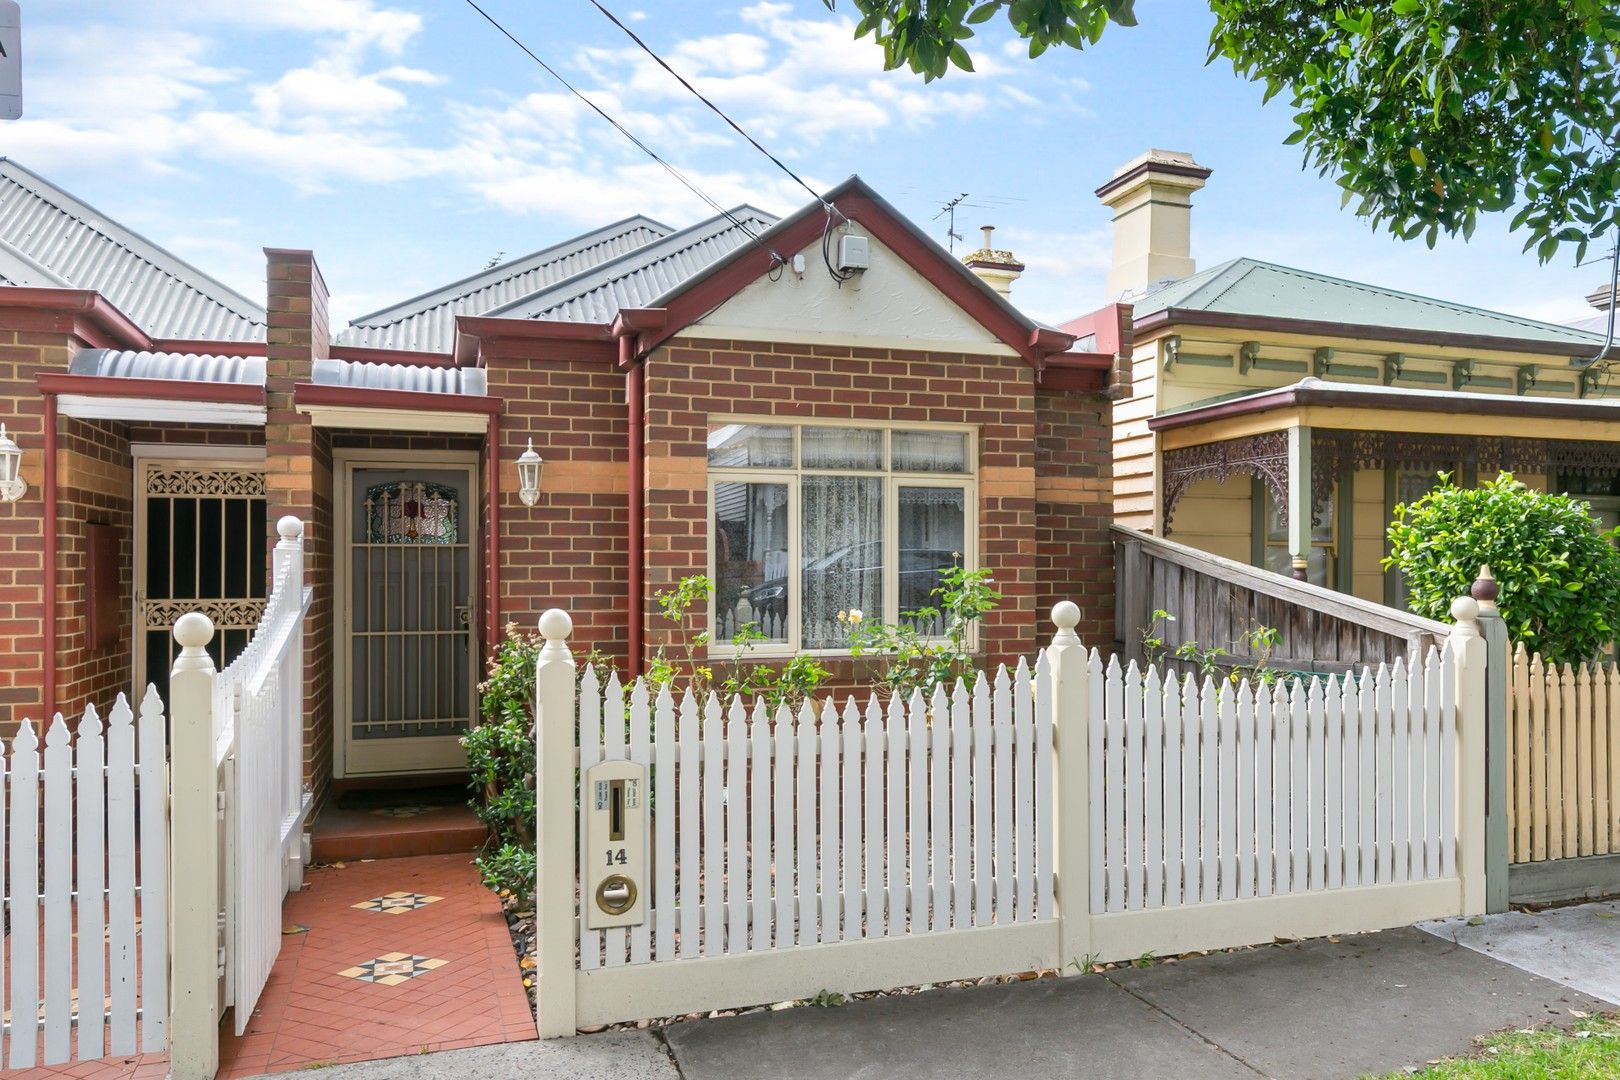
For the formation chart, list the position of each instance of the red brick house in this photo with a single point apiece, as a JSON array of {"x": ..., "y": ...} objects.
[{"x": 830, "y": 391}]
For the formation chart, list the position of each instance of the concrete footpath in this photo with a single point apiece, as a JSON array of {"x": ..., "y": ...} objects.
[{"x": 1332, "y": 1009}]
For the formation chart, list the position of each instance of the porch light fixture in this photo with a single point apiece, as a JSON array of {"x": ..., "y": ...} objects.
[
  {"x": 528, "y": 465},
  {"x": 12, "y": 485}
]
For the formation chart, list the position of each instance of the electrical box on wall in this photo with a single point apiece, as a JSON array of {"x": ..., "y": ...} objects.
[
  {"x": 853, "y": 253},
  {"x": 613, "y": 864}
]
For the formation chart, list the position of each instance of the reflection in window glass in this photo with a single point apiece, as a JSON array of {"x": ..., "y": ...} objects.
[
  {"x": 932, "y": 525},
  {"x": 929, "y": 451},
  {"x": 841, "y": 448},
  {"x": 750, "y": 559},
  {"x": 841, "y": 552},
  {"x": 758, "y": 446},
  {"x": 1321, "y": 564}
]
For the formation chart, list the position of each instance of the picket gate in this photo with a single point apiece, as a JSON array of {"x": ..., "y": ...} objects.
[
  {"x": 86, "y": 898},
  {"x": 1061, "y": 811}
]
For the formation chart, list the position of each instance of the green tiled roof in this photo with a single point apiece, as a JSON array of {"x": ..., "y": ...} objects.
[{"x": 1266, "y": 290}]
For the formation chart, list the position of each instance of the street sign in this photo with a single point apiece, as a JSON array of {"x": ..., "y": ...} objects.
[{"x": 10, "y": 60}]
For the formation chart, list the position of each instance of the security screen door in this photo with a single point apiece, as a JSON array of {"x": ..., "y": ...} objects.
[
  {"x": 406, "y": 589},
  {"x": 200, "y": 545}
]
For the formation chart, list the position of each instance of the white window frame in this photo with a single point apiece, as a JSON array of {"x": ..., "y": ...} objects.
[{"x": 966, "y": 482}]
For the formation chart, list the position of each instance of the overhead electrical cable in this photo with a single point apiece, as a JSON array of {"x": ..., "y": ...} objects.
[
  {"x": 626, "y": 132},
  {"x": 661, "y": 62}
]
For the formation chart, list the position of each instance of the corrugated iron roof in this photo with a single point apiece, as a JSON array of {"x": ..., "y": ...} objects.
[
  {"x": 187, "y": 367},
  {"x": 419, "y": 377},
  {"x": 428, "y": 322},
  {"x": 53, "y": 240},
  {"x": 638, "y": 277},
  {"x": 1252, "y": 287}
]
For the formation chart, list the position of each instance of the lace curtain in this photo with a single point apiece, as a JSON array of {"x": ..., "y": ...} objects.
[
  {"x": 841, "y": 554},
  {"x": 932, "y": 523}
]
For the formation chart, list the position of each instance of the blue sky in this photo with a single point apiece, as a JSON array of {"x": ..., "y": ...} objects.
[{"x": 408, "y": 144}]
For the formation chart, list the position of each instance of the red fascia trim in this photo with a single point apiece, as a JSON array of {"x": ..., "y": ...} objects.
[
  {"x": 367, "y": 355},
  {"x": 94, "y": 320},
  {"x": 167, "y": 389},
  {"x": 474, "y": 331},
  {"x": 416, "y": 400},
  {"x": 639, "y": 326},
  {"x": 207, "y": 347},
  {"x": 1108, "y": 324},
  {"x": 714, "y": 290},
  {"x": 1076, "y": 371}
]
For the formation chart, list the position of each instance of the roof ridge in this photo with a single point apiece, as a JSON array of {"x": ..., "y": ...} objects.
[
  {"x": 152, "y": 253},
  {"x": 456, "y": 289},
  {"x": 1429, "y": 301},
  {"x": 730, "y": 218}
]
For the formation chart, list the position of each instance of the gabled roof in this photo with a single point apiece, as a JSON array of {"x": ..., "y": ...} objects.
[
  {"x": 427, "y": 323},
  {"x": 50, "y": 239},
  {"x": 1251, "y": 288},
  {"x": 638, "y": 278}
]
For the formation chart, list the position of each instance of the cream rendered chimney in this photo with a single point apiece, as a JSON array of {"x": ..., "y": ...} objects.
[
  {"x": 1151, "y": 197},
  {"x": 998, "y": 269}
]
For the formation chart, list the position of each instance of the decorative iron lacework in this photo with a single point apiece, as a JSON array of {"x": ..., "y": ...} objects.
[
  {"x": 1341, "y": 450},
  {"x": 1333, "y": 453},
  {"x": 218, "y": 482},
  {"x": 1264, "y": 455},
  {"x": 224, "y": 614},
  {"x": 411, "y": 513}
]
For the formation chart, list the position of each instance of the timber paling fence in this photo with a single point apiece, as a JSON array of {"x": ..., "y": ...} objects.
[{"x": 1065, "y": 810}]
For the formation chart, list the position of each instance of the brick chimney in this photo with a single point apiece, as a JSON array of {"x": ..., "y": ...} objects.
[
  {"x": 1151, "y": 197},
  {"x": 298, "y": 477},
  {"x": 998, "y": 269}
]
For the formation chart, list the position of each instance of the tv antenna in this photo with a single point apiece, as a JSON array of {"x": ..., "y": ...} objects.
[{"x": 949, "y": 211}]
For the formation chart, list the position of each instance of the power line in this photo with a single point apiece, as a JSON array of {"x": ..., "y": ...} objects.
[
  {"x": 620, "y": 128},
  {"x": 614, "y": 19}
]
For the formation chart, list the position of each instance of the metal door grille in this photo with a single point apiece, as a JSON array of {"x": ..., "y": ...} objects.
[
  {"x": 203, "y": 550},
  {"x": 411, "y": 629}
]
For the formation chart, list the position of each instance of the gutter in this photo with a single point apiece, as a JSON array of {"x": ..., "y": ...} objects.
[{"x": 1286, "y": 397}]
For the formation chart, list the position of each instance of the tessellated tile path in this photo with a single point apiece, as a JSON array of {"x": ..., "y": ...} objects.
[
  {"x": 401, "y": 956},
  {"x": 373, "y": 981}
]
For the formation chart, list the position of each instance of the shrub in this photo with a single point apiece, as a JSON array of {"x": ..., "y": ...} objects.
[
  {"x": 916, "y": 662},
  {"x": 500, "y": 756},
  {"x": 1559, "y": 576}
]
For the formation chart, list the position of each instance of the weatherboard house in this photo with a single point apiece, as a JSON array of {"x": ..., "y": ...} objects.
[
  {"x": 1276, "y": 416},
  {"x": 819, "y": 412}
]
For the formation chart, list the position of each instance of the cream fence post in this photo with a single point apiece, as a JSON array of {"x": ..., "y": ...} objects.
[
  {"x": 1470, "y": 658},
  {"x": 194, "y": 866},
  {"x": 555, "y": 832},
  {"x": 1497, "y": 756},
  {"x": 1071, "y": 782}
]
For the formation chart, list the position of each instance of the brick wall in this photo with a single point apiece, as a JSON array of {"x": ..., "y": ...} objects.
[
  {"x": 570, "y": 550},
  {"x": 29, "y": 344},
  {"x": 1074, "y": 557},
  {"x": 95, "y": 485},
  {"x": 691, "y": 379},
  {"x": 298, "y": 478}
]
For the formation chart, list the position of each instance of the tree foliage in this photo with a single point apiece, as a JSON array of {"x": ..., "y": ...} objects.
[
  {"x": 1426, "y": 112},
  {"x": 1559, "y": 576}
]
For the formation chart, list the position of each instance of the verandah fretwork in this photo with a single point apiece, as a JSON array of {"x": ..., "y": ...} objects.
[
  {"x": 1264, "y": 455},
  {"x": 1333, "y": 453}
]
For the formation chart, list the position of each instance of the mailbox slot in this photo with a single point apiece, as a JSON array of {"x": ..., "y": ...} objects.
[{"x": 613, "y": 862}]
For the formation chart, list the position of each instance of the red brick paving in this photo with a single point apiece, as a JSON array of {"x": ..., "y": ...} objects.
[{"x": 310, "y": 1014}]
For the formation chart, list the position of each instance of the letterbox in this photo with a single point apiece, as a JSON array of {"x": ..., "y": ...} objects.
[{"x": 613, "y": 864}]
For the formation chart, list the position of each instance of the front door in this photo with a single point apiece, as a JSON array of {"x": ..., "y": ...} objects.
[
  {"x": 199, "y": 546},
  {"x": 406, "y": 586}
]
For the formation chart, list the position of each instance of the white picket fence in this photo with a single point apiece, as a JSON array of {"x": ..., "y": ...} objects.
[
  {"x": 921, "y": 815},
  {"x": 1036, "y": 819},
  {"x": 1209, "y": 792},
  {"x": 95, "y": 922},
  {"x": 259, "y": 750}
]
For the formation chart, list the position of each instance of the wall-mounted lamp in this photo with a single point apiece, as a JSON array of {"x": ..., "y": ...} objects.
[
  {"x": 528, "y": 464},
  {"x": 12, "y": 485}
]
